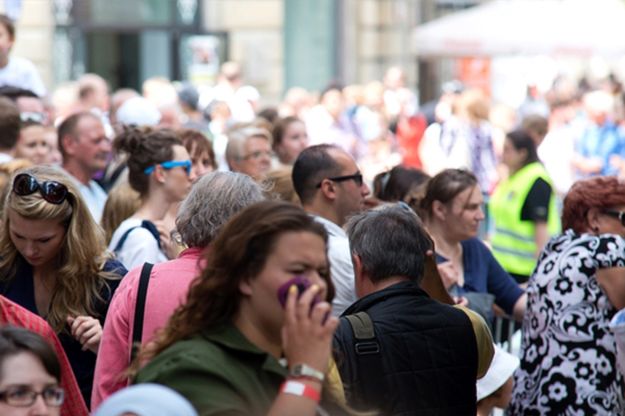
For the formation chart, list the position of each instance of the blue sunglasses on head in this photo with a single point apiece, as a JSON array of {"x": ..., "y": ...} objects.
[{"x": 170, "y": 164}]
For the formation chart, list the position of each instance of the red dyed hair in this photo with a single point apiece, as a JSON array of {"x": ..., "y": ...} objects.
[{"x": 602, "y": 192}]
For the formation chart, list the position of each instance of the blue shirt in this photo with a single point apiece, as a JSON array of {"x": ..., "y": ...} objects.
[
  {"x": 483, "y": 274},
  {"x": 601, "y": 142}
]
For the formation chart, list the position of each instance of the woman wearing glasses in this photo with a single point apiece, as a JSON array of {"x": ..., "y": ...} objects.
[
  {"x": 159, "y": 168},
  {"x": 30, "y": 375},
  {"x": 53, "y": 262},
  {"x": 568, "y": 354}
]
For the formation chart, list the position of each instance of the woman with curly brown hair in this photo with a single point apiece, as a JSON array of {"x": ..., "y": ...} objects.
[
  {"x": 568, "y": 354},
  {"x": 222, "y": 348},
  {"x": 53, "y": 262},
  {"x": 160, "y": 169}
]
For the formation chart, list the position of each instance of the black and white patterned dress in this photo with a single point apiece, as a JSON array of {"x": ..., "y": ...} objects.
[{"x": 568, "y": 354}]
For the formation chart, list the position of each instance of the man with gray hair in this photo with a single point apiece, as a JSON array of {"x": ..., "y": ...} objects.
[
  {"x": 402, "y": 352},
  {"x": 249, "y": 151},
  {"x": 213, "y": 199}
]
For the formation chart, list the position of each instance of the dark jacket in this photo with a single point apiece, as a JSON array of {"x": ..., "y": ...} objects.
[{"x": 428, "y": 354}]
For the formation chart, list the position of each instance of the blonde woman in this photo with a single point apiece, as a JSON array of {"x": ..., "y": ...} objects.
[{"x": 53, "y": 262}]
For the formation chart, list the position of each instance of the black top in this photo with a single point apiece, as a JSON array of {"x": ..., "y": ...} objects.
[
  {"x": 536, "y": 205},
  {"x": 21, "y": 290}
]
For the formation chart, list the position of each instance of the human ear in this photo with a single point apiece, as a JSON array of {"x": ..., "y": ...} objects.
[
  {"x": 439, "y": 210},
  {"x": 328, "y": 189},
  {"x": 159, "y": 174},
  {"x": 245, "y": 287},
  {"x": 592, "y": 218}
]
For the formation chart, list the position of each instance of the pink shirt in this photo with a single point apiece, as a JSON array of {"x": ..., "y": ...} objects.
[{"x": 169, "y": 283}]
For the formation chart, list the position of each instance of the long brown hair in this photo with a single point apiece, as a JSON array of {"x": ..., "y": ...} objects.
[
  {"x": 238, "y": 253},
  {"x": 79, "y": 278}
]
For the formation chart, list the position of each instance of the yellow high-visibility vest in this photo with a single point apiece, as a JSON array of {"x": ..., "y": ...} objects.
[{"x": 513, "y": 242}]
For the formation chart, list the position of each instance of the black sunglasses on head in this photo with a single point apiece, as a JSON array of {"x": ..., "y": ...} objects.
[
  {"x": 616, "y": 214},
  {"x": 356, "y": 177},
  {"x": 51, "y": 191}
]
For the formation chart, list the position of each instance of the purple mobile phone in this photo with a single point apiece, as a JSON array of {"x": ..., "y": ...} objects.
[{"x": 301, "y": 283}]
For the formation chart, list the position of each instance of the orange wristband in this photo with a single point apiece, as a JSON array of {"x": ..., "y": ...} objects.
[{"x": 300, "y": 389}]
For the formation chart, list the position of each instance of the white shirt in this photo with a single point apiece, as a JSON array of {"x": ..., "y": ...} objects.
[
  {"x": 341, "y": 267},
  {"x": 93, "y": 195},
  {"x": 140, "y": 245},
  {"x": 20, "y": 72}
]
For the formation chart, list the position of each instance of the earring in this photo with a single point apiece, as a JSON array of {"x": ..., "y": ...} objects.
[{"x": 595, "y": 230}]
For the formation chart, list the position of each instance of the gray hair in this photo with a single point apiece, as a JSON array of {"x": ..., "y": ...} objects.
[
  {"x": 239, "y": 136},
  {"x": 390, "y": 241},
  {"x": 213, "y": 199}
]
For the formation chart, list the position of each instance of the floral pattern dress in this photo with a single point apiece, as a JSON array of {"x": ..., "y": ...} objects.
[{"x": 568, "y": 354}]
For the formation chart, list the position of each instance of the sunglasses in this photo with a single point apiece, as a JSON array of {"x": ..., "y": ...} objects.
[
  {"x": 620, "y": 215},
  {"x": 356, "y": 177},
  {"x": 51, "y": 191},
  {"x": 186, "y": 164}
]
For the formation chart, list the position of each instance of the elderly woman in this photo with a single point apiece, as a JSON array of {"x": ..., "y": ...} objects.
[
  {"x": 568, "y": 354},
  {"x": 212, "y": 201}
]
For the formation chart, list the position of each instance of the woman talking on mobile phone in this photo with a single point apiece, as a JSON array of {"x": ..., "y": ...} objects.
[{"x": 222, "y": 349}]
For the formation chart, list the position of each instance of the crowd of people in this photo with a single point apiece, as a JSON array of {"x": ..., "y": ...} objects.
[{"x": 184, "y": 251}]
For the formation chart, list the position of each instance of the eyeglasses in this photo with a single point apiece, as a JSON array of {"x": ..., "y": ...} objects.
[
  {"x": 258, "y": 155},
  {"x": 356, "y": 177},
  {"x": 33, "y": 117},
  {"x": 170, "y": 164},
  {"x": 617, "y": 214},
  {"x": 21, "y": 396},
  {"x": 51, "y": 191}
]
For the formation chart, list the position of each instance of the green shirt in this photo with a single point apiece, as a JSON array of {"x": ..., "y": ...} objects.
[{"x": 220, "y": 372}]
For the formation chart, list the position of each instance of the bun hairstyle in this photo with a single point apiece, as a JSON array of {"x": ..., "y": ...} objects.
[{"x": 145, "y": 147}]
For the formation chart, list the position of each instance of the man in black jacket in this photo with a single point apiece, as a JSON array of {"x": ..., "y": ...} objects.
[{"x": 399, "y": 351}]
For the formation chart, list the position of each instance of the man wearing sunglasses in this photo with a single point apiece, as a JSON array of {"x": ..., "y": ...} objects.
[
  {"x": 85, "y": 149},
  {"x": 331, "y": 188}
]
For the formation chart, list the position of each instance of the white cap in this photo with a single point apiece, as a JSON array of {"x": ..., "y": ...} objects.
[
  {"x": 138, "y": 111},
  {"x": 501, "y": 369}
]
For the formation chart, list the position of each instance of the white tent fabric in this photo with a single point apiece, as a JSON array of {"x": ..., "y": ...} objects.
[{"x": 507, "y": 27}]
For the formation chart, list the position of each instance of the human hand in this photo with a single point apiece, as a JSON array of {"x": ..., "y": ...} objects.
[
  {"x": 86, "y": 330},
  {"x": 449, "y": 274},
  {"x": 307, "y": 333},
  {"x": 169, "y": 246}
]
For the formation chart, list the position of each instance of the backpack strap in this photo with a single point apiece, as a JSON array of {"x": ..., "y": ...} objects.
[
  {"x": 369, "y": 367},
  {"x": 137, "y": 325},
  {"x": 148, "y": 225}
]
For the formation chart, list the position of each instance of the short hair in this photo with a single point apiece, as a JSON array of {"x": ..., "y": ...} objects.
[
  {"x": 15, "y": 340},
  {"x": 521, "y": 140},
  {"x": 14, "y": 93},
  {"x": 390, "y": 241},
  {"x": 197, "y": 143},
  {"x": 9, "y": 123},
  {"x": 601, "y": 192},
  {"x": 213, "y": 200},
  {"x": 68, "y": 128},
  {"x": 313, "y": 165},
  {"x": 8, "y": 24},
  {"x": 239, "y": 136}
]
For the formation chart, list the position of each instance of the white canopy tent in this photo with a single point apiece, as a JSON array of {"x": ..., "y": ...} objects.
[{"x": 529, "y": 27}]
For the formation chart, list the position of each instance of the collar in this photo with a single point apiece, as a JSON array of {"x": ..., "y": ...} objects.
[
  {"x": 332, "y": 228},
  {"x": 229, "y": 337},
  {"x": 191, "y": 253},
  {"x": 398, "y": 289}
]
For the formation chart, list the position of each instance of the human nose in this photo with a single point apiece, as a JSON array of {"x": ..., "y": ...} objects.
[
  {"x": 30, "y": 249},
  {"x": 480, "y": 214},
  {"x": 39, "y": 408},
  {"x": 365, "y": 189}
]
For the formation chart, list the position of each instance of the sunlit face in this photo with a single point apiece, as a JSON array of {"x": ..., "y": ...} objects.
[
  {"x": 38, "y": 241},
  {"x": 256, "y": 158},
  {"x": 512, "y": 157},
  {"x": 202, "y": 164},
  {"x": 32, "y": 145},
  {"x": 464, "y": 213},
  {"x": 26, "y": 371},
  {"x": 92, "y": 148},
  {"x": 177, "y": 183},
  {"x": 350, "y": 197},
  {"x": 54, "y": 156},
  {"x": 295, "y": 140},
  {"x": 294, "y": 254}
]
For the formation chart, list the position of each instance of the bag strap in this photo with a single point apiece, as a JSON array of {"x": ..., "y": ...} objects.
[
  {"x": 137, "y": 325},
  {"x": 368, "y": 361},
  {"x": 148, "y": 225}
]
